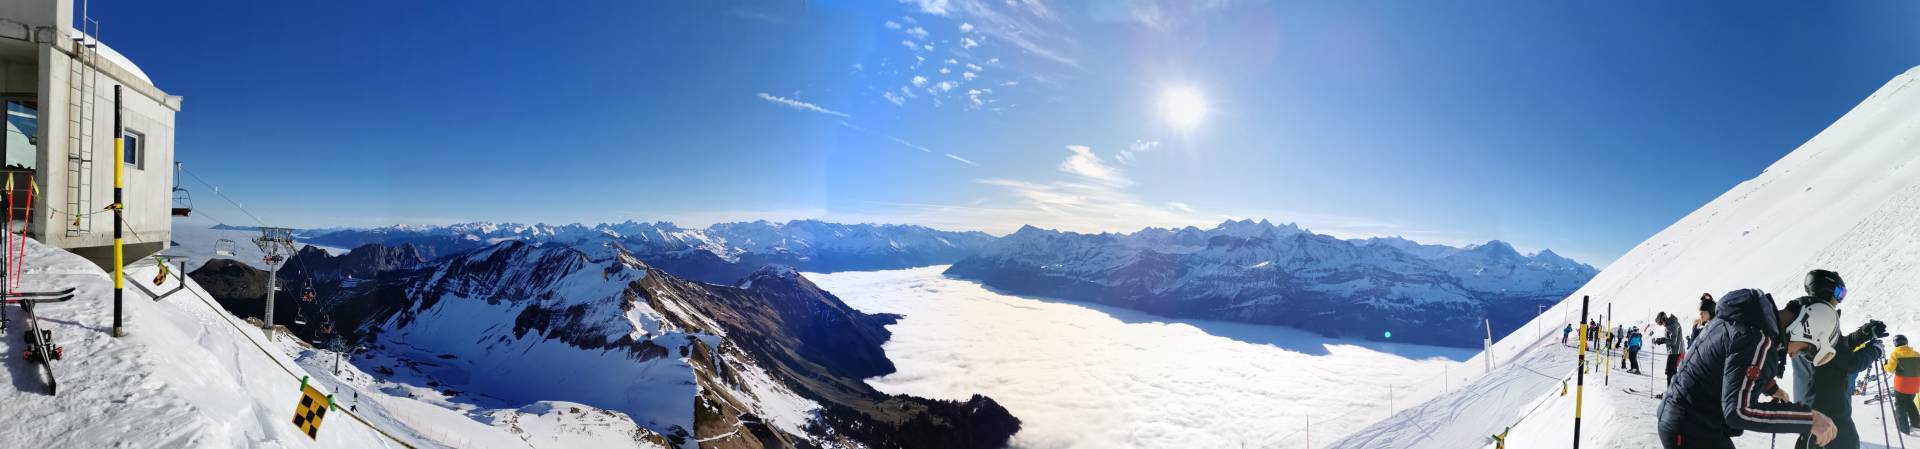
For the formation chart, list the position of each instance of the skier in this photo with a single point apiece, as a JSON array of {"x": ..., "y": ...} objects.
[
  {"x": 1593, "y": 334},
  {"x": 1904, "y": 365},
  {"x": 1633, "y": 351},
  {"x": 1706, "y": 314},
  {"x": 1564, "y": 333},
  {"x": 1672, "y": 341},
  {"x": 1717, "y": 395},
  {"x": 1830, "y": 371}
]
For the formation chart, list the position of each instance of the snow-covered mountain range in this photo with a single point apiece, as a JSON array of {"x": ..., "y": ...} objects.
[
  {"x": 1265, "y": 273},
  {"x": 721, "y": 253},
  {"x": 1847, "y": 200},
  {"x": 772, "y": 361}
]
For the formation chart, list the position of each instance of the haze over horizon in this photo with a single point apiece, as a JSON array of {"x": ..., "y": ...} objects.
[{"x": 1442, "y": 124}]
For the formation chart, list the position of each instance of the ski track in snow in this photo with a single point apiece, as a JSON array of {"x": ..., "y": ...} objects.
[{"x": 1080, "y": 377}]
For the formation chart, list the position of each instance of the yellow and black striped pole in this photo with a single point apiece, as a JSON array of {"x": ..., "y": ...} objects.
[
  {"x": 1580, "y": 378},
  {"x": 1607, "y": 379},
  {"x": 119, "y": 264}
]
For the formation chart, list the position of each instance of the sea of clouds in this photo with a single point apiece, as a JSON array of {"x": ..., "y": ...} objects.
[{"x": 1085, "y": 376}]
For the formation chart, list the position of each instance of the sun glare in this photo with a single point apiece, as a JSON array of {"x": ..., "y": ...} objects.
[{"x": 1183, "y": 107}]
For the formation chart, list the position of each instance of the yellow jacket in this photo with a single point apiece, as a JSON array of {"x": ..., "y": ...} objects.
[
  {"x": 1899, "y": 352},
  {"x": 1904, "y": 363}
]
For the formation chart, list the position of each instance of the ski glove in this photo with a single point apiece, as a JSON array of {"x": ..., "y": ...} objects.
[
  {"x": 1877, "y": 328},
  {"x": 1873, "y": 330}
]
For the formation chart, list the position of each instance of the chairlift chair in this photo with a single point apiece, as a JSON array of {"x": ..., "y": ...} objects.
[
  {"x": 182, "y": 201},
  {"x": 223, "y": 248}
]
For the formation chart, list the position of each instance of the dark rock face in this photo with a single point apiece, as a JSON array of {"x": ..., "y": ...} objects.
[
  {"x": 363, "y": 262},
  {"x": 1284, "y": 275},
  {"x": 823, "y": 348},
  {"x": 347, "y": 290}
]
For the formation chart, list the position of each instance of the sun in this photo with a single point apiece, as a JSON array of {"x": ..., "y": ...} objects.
[{"x": 1183, "y": 107}]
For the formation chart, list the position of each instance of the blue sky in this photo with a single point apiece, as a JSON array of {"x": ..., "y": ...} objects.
[{"x": 1583, "y": 128}]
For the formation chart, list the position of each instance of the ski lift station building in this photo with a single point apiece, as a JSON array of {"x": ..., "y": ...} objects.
[{"x": 57, "y": 80}]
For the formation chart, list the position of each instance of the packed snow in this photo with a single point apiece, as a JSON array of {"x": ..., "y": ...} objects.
[
  {"x": 184, "y": 375},
  {"x": 1087, "y": 376},
  {"x": 1848, "y": 200}
]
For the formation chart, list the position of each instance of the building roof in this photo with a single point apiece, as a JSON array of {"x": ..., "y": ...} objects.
[{"x": 118, "y": 59}]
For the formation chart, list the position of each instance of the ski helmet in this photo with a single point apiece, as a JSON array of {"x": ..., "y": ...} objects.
[
  {"x": 1899, "y": 340},
  {"x": 1818, "y": 325},
  {"x": 1826, "y": 285}
]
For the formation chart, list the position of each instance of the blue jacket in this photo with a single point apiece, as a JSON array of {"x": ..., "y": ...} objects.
[
  {"x": 1633, "y": 340},
  {"x": 1721, "y": 388}
]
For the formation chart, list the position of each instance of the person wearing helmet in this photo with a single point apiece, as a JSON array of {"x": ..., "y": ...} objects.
[
  {"x": 1904, "y": 365},
  {"x": 1720, "y": 390},
  {"x": 1828, "y": 371}
]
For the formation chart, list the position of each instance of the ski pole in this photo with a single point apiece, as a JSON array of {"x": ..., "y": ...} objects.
[
  {"x": 1887, "y": 400},
  {"x": 1885, "y": 438}
]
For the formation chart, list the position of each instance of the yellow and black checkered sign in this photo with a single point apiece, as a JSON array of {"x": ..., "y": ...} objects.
[{"x": 312, "y": 408}]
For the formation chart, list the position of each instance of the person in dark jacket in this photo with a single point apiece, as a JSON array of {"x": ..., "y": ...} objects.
[
  {"x": 1565, "y": 332},
  {"x": 1718, "y": 392},
  {"x": 1672, "y": 342},
  {"x": 1830, "y": 385}
]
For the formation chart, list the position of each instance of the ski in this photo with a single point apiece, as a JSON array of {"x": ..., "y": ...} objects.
[
  {"x": 40, "y": 347},
  {"x": 68, "y": 291},
  {"x": 38, "y": 299}
]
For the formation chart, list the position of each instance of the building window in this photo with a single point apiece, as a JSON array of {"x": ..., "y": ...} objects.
[
  {"x": 133, "y": 148},
  {"x": 23, "y": 129}
]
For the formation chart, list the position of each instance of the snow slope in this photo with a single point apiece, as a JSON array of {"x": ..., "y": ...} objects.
[
  {"x": 183, "y": 376},
  {"x": 1847, "y": 200}
]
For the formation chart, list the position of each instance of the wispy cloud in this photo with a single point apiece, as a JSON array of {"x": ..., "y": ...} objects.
[
  {"x": 1134, "y": 151},
  {"x": 961, "y": 159},
  {"x": 1179, "y": 206},
  {"x": 1088, "y": 195},
  {"x": 1084, "y": 163},
  {"x": 801, "y": 105},
  {"x": 1024, "y": 23},
  {"x": 898, "y": 140}
]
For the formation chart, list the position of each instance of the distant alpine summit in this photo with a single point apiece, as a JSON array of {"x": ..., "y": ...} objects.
[
  {"x": 720, "y": 254},
  {"x": 1259, "y": 272}
]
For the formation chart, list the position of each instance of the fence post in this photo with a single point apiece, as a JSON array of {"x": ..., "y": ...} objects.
[{"x": 1580, "y": 378}]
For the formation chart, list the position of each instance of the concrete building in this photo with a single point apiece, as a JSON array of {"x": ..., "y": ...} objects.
[{"x": 57, "y": 82}]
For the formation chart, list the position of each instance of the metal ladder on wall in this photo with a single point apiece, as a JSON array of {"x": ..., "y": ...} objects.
[{"x": 82, "y": 87}]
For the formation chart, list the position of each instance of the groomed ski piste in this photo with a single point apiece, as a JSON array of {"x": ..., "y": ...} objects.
[
  {"x": 1847, "y": 200},
  {"x": 189, "y": 375}
]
